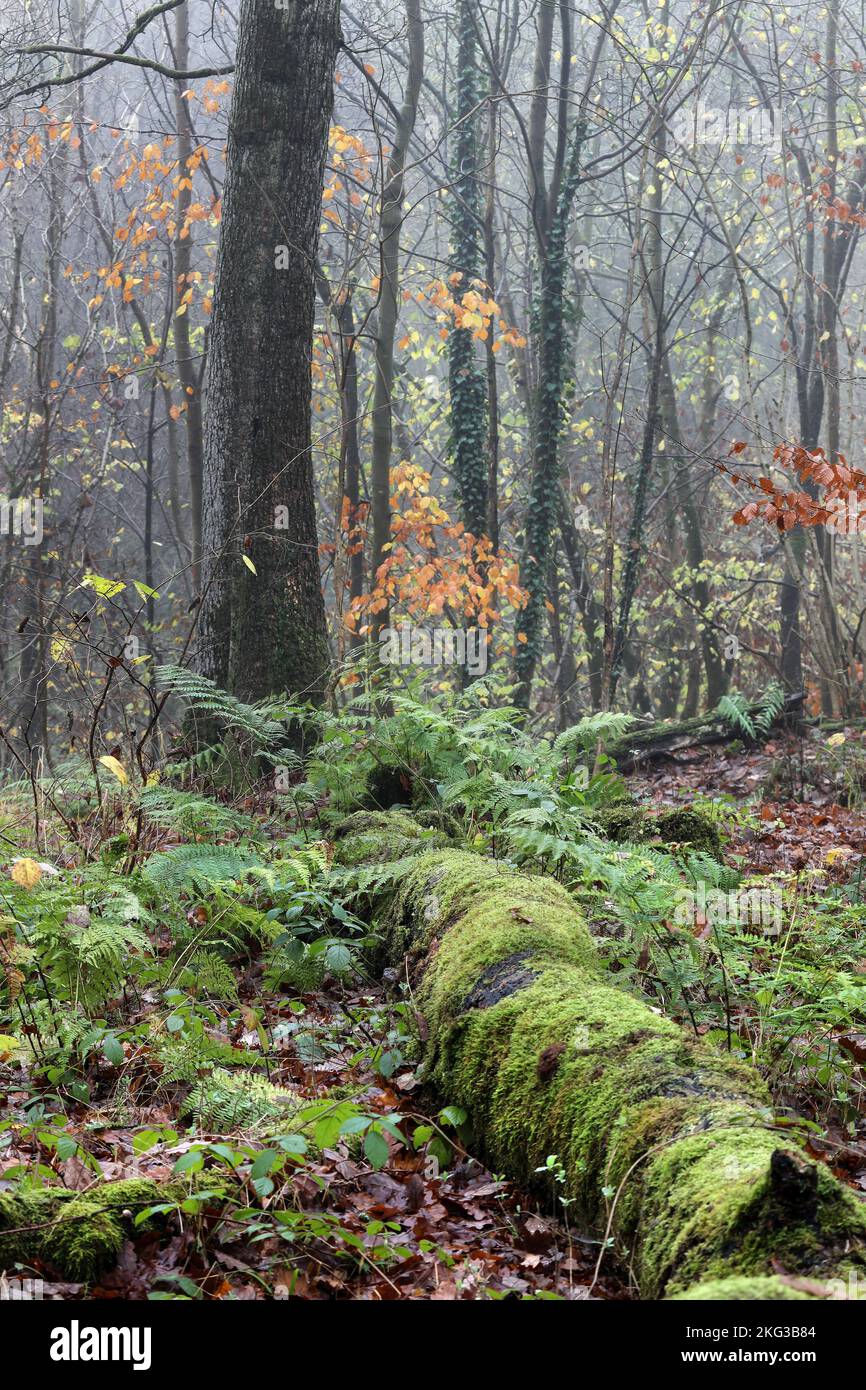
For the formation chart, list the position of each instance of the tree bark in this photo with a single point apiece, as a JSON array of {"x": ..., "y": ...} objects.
[
  {"x": 187, "y": 374},
  {"x": 467, "y": 382},
  {"x": 262, "y": 630}
]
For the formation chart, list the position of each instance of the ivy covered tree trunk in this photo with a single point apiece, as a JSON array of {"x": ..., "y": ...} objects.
[
  {"x": 262, "y": 624},
  {"x": 390, "y": 225},
  {"x": 466, "y": 378},
  {"x": 664, "y": 1144},
  {"x": 543, "y": 505}
]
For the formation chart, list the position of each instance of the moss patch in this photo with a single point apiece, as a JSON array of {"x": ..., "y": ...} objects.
[
  {"x": 380, "y": 837},
  {"x": 682, "y": 827},
  {"x": 78, "y": 1234},
  {"x": 742, "y": 1290}
]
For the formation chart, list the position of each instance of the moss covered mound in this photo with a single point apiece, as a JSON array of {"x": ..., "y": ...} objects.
[
  {"x": 769, "y": 1289},
  {"x": 78, "y": 1234},
  {"x": 682, "y": 827},
  {"x": 667, "y": 1144},
  {"x": 380, "y": 837}
]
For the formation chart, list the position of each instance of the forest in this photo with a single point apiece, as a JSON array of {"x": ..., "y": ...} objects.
[{"x": 432, "y": 654}]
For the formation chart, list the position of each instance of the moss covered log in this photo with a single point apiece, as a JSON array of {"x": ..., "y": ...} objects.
[
  {"x": 657, "y": 742},
  {"x": 668, "y": 1145}
]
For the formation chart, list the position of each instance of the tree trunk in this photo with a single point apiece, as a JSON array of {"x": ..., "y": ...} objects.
[
  {"x": 187, "y": 374},
  {"x": 390, "y": 224},
  {"x": 666, "y": 1145},
  {"x": 262, "y": 630},
  {"x": 467, "y": 382},
  {"x": 542, "y": 504}
]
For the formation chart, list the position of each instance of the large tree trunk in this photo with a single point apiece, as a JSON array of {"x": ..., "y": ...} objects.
[
  {"x": 262, "y": 630},
  {"x": 666, "y": 1144}
]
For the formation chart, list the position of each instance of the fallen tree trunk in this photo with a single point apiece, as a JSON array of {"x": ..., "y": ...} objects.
[
  {"x": 657, "y": 742},
  {"x": 666, "y": 1145}
]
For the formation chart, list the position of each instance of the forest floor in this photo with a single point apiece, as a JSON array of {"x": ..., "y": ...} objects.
[
  {"x": 806, "y": 836},
  {"x": 400, "y": 1232},
  {"x": 403, "y": 1229}
]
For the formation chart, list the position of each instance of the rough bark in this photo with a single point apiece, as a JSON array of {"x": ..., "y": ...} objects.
[
  {"x": 667, "y": 1145},
  {"x": 188, "y": 376},
  {"x": 264, "y": 632}
]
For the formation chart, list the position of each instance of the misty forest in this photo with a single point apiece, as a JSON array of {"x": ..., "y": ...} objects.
[{"x": 433, "y": 650}]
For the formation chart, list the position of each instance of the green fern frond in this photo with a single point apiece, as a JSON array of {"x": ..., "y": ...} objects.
[
  {"x": 191, "y": 813},
  {"x": 603, "y": 728},
  {"x": 735, "y": 709},
  {"x": 224, "y": 1101},
  {"x": 257, "y": 722},
  {"x": 214, "y": 977},
  {"x": 199, "y": 867}
]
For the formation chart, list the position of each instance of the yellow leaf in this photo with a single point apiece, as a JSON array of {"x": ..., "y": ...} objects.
[
  {"x": 26, "y": 873},
  {"x": 8, "y": 1044},
  {"x": 249, "y": 564},
  {"x": 838, "y": 852},
  {"x": 116, "y": 767}
]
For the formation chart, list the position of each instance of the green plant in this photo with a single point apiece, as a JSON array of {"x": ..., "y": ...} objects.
[
  {"x": 191, "y": 813},
  {"x": 198, "y": 868},
  {"x": 261, "y": 724},
  {"x": 735, "y": 708}
]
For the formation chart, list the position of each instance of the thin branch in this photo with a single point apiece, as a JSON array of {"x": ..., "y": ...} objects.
[{"x": 103, "y": 60}]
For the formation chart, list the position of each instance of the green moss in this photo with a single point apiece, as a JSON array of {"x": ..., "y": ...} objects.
[
  {"x": 633, "y": 825},
  {"x": 23, "y": 1219},
  {"x": 380, "y": 837},
  {"x": 622, "y": 824},
  {"x": 692, "y": 828},
  {"x": 129, "y": 1194},
  {"x": 743, "y": 1290},
  {"x": 78, "y": 1234},
  {"x": 84, "y": 1240}
]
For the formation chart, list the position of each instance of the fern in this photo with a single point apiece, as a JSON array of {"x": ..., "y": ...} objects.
[
  {"x": 258, "y": 723},
  {"x": 362, "y": 881},
  {"x": 187, "y": 1057},
  {"x": 214, "y": 977},
  {"x": 90, "y": 961},
  {"x": 82, "y": 937},
  {"x": 585, "y": 736},
  {"x": 735, "y": 709},
  {"x": 191, "y": 813},
  {"x": 224, "y": 1101},
  {"x": 198, "y": 868},
  {"x": 771, "y": 706}
]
